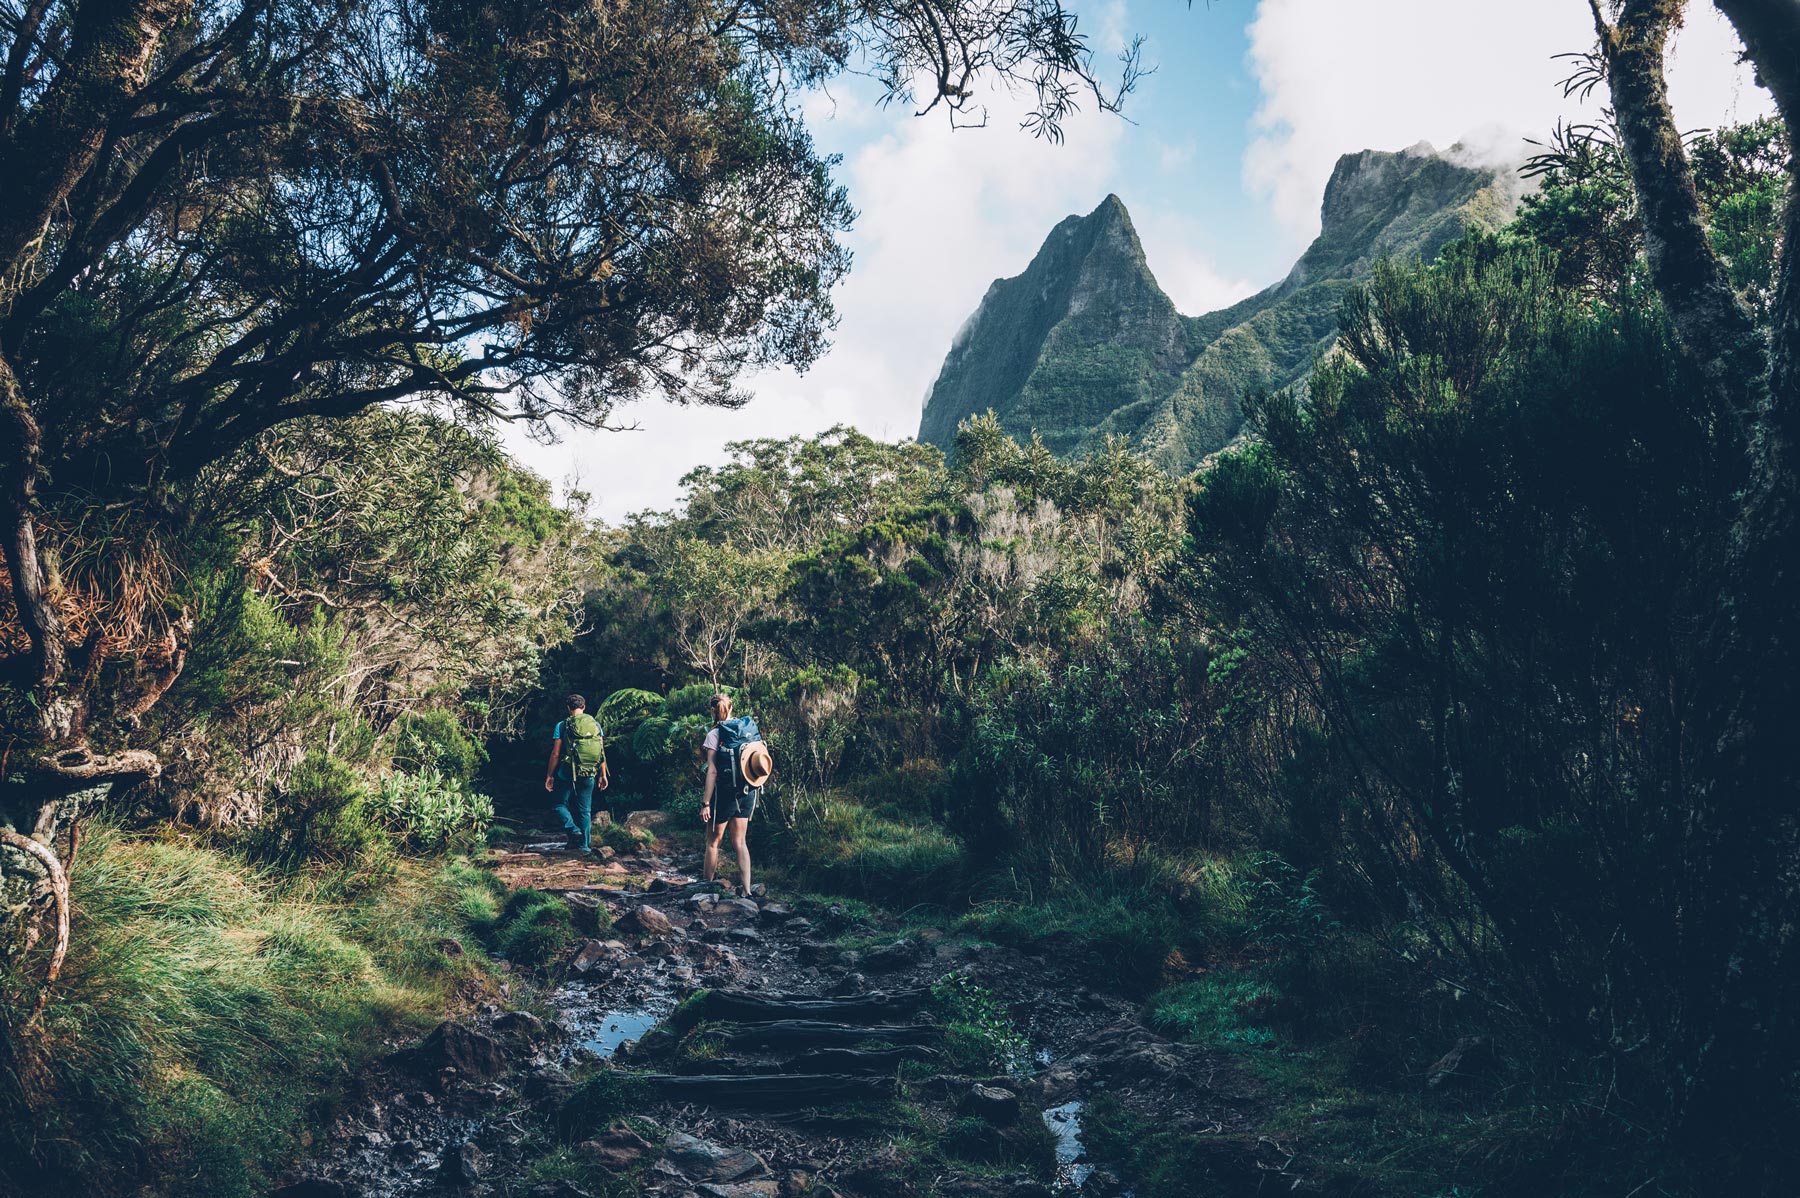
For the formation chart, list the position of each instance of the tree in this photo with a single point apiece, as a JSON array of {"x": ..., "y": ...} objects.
[
  {"x": 1747, "y": 774},
  {"x": 224, "y": 215}
]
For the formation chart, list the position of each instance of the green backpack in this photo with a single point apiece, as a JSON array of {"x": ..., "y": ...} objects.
[{"x": 584, "y": 745}]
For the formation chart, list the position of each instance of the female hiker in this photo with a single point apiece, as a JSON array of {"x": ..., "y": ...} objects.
[{"x": 737, "y": 766}]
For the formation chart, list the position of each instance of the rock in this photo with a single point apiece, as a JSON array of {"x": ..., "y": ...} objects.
[
  {"x": 819, "y": 952},
  {"x": 449, "y": 947},
  {"x": 606, "y": 853},
  {"x": 454, "y": 1046},
  {"x": 735, "y": 909},
  {"x": 889, "y": 957},
  {"x": 653, "y": 822},
  {"x": 1470, "y": 1058},
  {"x": 520, "y": 1023},
  {"x": 798, "y": 927},
  {"x": 618, "y": 1148},
  {"x": 750, "y": 935},
  {"x": 316, "y": 1187},
  {"x": 992, "y": 1104},
  {"x": 589, "y": 913},
  {"x": 592, "y": 954},
  {"x": 645, "y": 921},
  {"x": 776, "y": 912},
  {"x": 767, "y": 1188},
  {"x": 1030, "y": 1189},
  {"x": 557, "y": 1189},
  {"x": 657, "y": 885},
  {"x": 850, "y": 983},
  {"x": 464, "y": 1164},
  {"x": 703, "y": 1160}
]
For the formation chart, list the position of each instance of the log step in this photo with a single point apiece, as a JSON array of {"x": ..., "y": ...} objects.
[
  {"x": 816, "y": 1033},
  {"x": 744, "y": 1006},
  {"x": 768, "y": 1091}
]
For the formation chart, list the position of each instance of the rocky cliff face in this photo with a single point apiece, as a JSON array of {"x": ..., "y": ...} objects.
[{"x": 1085, "y": 343}]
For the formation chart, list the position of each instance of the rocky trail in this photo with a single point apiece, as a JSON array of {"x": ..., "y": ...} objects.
[{"x": 705, "y": 1046}]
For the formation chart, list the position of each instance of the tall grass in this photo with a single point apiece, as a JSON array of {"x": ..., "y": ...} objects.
[{"x": 211, "y": 1011}]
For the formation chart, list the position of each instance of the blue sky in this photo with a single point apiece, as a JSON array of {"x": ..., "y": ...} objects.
[{"x": 1222, "y": 162}]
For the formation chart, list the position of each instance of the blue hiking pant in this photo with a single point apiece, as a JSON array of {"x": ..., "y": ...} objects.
[{"x": 575, "y": 808}]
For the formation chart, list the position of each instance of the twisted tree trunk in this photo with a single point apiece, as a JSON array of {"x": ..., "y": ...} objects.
[{"x": 1744, "y": 811}]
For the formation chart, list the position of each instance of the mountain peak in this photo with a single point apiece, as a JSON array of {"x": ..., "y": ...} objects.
[
  {"x": 1369, "y": 183},
  {"x": 1088, "y": 284},
  {"x": 1084, "y": 343}
]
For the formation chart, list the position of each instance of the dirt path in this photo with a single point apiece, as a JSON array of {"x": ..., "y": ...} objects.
[{"x": 816, "y": 1062}]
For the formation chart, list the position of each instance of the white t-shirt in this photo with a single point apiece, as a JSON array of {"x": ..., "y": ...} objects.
[{"x": 712, "y": 740}]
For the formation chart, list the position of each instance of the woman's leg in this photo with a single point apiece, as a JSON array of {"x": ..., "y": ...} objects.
[
  {"x": 714, "y": 834},
  {"x": 740, "y": 840}
]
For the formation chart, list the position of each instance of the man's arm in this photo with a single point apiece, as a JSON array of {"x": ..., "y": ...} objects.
[{"x": 550, "y": 770}]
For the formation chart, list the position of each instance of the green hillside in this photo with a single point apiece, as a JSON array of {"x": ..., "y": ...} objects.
[{"x": 1085, "y": 342}]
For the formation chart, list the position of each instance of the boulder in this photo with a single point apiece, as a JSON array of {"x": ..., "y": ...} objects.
[
  {"x": 703, "y": 1160},
  {"x": 588, "y": 912},
  {"x": 619, "y": 1148},
  {"x": 992, "y": 1104},
  {"x": 455, "y": 1046},
  {"x": 766, "y": 1188},
  {"x": 593, "y": 954},
  {"x": 464, "y": 1164},
  {"x": 653, "y": 822},
  {"x": 776, "y": 912},
  {"x": 645, "y": 921},
  {"x": 520, "y": 1023},
  {"x": 886, "y": 958}
]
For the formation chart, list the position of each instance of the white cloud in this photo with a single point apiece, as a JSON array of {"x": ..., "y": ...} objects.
[
  {"x": 942, "y": 214},
  {"x": 1345, "y": 75}
]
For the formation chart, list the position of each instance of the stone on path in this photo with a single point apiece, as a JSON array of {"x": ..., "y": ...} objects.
[
  {"x": 654, "y": 822},
  {"x": 992, "y": 1104},
  {"x": 645, "y": 921},
  {"x": 703, "y": 1160}
]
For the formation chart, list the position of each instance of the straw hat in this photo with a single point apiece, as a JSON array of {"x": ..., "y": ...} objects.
[{"x": 756, "y": 764}]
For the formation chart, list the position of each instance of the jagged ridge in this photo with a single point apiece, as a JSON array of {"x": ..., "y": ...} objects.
[{"x": 1085, "y": 342}]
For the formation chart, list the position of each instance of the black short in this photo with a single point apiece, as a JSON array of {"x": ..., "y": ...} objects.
[{"x": 741, "y": 805}]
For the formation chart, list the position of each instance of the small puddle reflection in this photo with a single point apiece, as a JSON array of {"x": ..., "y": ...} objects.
[
  {"x": 1072, "y": 1169},
  {"x": 601, "y": 1027}
]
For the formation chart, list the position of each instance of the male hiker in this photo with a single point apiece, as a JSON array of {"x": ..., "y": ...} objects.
[
  {"x": 579, "y": 744},
  {"x": 737, "y": 765}
]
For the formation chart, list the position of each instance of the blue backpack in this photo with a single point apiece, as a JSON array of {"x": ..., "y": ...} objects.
[{"x": 735, "y": 735}]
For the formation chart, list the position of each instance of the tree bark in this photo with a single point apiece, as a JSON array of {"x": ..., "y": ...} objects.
[
  {"x": 1743, "y": 814},
  {"x": 52, "y": 148},
  {"x": 1713, "y": 326},
  {"x": 33, "y": 587}
]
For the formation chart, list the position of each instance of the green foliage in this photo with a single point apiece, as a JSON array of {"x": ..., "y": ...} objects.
[
  {"x": 1221, "y": 1009},
  {"x": 534, "y": 929},
  {"x": 980, "y": 1034},
  {"x": 321, "y": 814},
  {"x": 211, "y": 1013},
  {"x": 430, "y": 810},
  {"x": 434, "y": 739},
  {"x": 608, "y": 1095}
]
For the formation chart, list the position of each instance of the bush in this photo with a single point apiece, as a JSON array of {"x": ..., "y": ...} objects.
[
  {"x": 431, "y": 810},
  {"x": 1221, "y": 1008},
  {"x": 322, "y": 814},
  {"x": 534, "y": 929},
  {"x": 979, "y": 1034},
  {"x": 434, "y": 739}
]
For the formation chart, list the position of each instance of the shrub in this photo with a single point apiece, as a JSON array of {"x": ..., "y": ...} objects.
[
  {"x": 979, "y": 1034},
  {"x": 434, "y": 739},
  {"x": 431, "y": 810},
  {"x": 534, "y": 929},
  {"x": 322, "y": 814}
]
